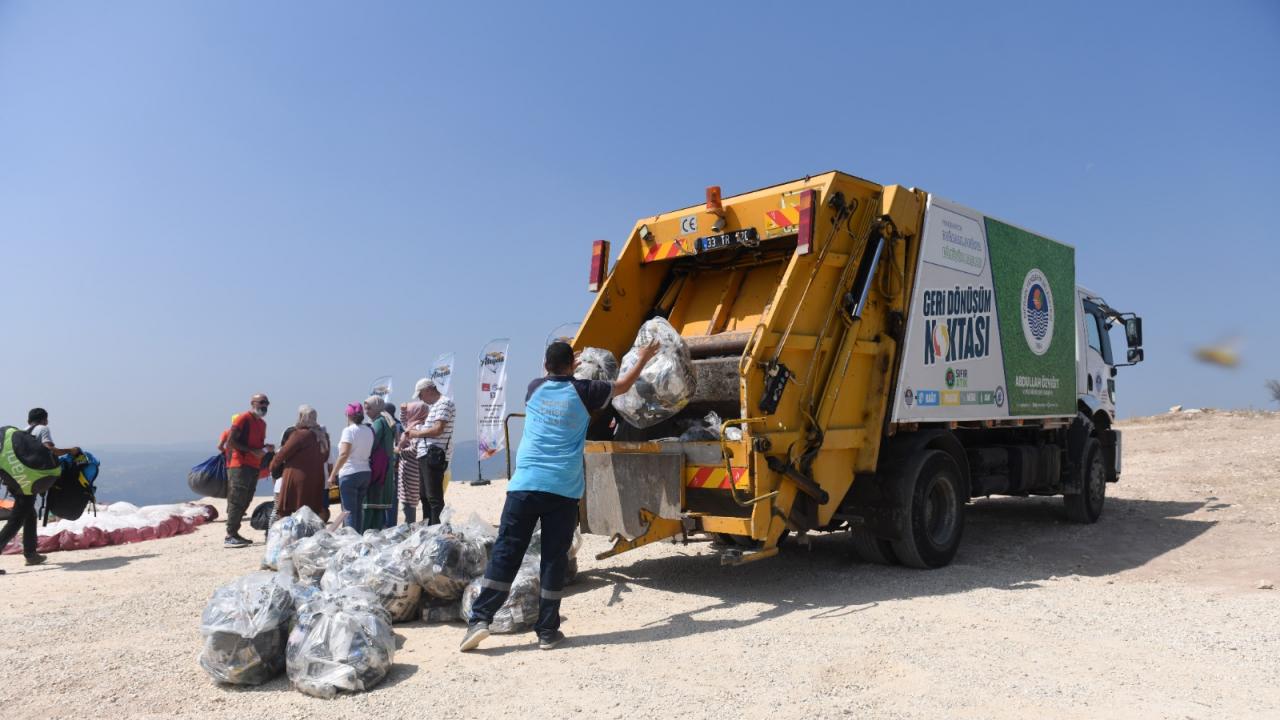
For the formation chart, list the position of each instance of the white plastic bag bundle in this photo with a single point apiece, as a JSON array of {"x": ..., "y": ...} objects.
[
  {"x": 520, "y": 611},
  {"x": 286, "y": 531},
  {"x": 666, "y": 383},
  {"x": 343, "y": 642},
  {"x": 245, "y": 625},
  {"x": 596, "y": 364}
]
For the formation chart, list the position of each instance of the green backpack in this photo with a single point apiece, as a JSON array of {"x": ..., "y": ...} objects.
[{"x": 26, "y": 465}]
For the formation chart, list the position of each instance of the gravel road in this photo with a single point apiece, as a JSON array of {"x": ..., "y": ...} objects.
[{"x": 1154, "y": 612}]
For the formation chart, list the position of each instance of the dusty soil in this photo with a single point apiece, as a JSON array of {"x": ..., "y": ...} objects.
[{"x": 1153, "y": 612}]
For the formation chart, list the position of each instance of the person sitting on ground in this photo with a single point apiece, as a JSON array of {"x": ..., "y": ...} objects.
[
  {"x": 301, "y": 462},
  {"x": 433, "y": 437},
  {"x": 546, "y": 487},
  {"x": 351, "y": 470},
  {"x": 248, "y": 448}
]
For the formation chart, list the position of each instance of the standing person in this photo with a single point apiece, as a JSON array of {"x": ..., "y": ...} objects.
[
  {"x": 410, "y": 485},
  {"x": 546, "y": 487},
  {"x": 433, "y": 437},
  {"x": 350, "y": 471},
  {"x": 27, "y": 468},
  {"x": 381, "y": 496},
  {"x": 38, "y": 427},
  {"x": 301, "y": 462},
  {"x": 393, "y": 472},
  {"x": 248, "y": 447}
]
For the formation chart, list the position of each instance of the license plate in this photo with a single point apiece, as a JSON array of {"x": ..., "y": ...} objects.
[{"x": 746, "y": 237}]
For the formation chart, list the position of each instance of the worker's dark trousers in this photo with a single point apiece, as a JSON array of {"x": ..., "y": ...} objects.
[
  {"x": 431, "y": 488},
  {"x": 24, "y": 516},
  {"x": 559, "y": 516}
]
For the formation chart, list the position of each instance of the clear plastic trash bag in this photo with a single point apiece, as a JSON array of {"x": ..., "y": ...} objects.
[
  {"x": 388, "y": 575},
  {"x": 286, "y": 531},
  {"x": 441, "y": 611},
  {"x": 666, "y": 383},
  {"x": 520, "y": 611},
  {"x": 343, "y": 642},
  {"x": 445, "y": 557},
  {"x": 245, "y": 626},
  {"x": 596, "y": 364}
]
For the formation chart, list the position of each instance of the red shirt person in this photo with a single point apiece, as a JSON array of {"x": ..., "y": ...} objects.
[{"x": 248, "y": 446}]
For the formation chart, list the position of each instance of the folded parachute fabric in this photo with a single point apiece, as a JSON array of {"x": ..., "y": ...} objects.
[{"x": 117, "y": 524}]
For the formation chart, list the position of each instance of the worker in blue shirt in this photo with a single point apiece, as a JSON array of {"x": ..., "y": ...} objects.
[{"x": 546, "y": 487}]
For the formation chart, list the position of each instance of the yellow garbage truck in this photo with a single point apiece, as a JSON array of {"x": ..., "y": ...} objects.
[{"x": 879, "y": 357}]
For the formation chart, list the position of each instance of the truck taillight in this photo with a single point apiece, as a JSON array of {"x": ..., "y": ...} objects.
[
  {"x": 804, "y": 230},
  {"x": 599, "y": 264}
]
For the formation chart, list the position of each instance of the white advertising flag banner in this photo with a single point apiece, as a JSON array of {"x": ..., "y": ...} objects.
[
  {"x": 442, "y": 372},
  {"x": 382, "y": 388},
  {"x": 491, "y": 398}
]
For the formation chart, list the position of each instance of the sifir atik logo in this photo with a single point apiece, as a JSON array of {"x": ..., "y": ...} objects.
[{"x": 957, "y": 324}]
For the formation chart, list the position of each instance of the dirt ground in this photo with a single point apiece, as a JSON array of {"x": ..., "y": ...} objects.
[{"x": 1154, "y": 612}]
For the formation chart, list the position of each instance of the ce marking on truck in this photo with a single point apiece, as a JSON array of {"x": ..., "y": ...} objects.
[{"x": 688, "y": 224}]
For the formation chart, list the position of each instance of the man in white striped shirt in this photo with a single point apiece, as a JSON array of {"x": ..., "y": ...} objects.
[{"x": 432, "y": 439}]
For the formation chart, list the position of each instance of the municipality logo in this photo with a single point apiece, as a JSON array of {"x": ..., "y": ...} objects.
[{"x": 1037, "y": 311}]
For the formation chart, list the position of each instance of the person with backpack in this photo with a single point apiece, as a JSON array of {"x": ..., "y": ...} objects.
[
  {"x": 27, "y": 468},
  {"x": 351, "y": 471},
  {"x": 380, "y": 501},
  {"x": 248, "y": 448},
  {"x": 38, "y": 426}
]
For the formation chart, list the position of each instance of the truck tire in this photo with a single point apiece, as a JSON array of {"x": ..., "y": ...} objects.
[
  {"x": 934, "y": 506},
  {"x": 1085, "y": 507},
  {"x": 870, "y": 548}
]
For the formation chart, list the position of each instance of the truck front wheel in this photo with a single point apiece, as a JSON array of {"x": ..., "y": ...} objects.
[
  {"x": 1086, "y": 506},
  {"x": 934, "y": 514}
]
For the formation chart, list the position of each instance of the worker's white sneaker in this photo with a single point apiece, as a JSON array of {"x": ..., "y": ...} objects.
[{"x": 476, "y": 634}]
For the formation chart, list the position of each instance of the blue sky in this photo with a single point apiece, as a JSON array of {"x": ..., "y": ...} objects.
[{"x": 203, "y": 200}]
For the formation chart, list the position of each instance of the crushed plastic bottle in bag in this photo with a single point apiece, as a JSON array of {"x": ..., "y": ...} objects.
[
  {"x": 441, "y": 611},
  {"x": 286, "y": 531},
  {"x": 667, "y": 382},
  {"x": 446, "y": 561},
  {"x": 343, "y": 642},
  {"x": 596, "y": 364},
  {"x": 245, "y": 626}
]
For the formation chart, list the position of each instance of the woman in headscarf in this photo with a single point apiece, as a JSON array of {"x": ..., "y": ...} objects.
[
  {"x": 350, "y": 473},
  {"x": 380, "y": 503},
  {"x": 410, "y": 487},
  {"x": 301, "y": 462}
]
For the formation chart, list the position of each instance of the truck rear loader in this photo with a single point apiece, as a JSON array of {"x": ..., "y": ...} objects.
[{"x": 880, "y": 356}]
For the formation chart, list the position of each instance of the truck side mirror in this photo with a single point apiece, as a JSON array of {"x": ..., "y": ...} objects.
[
  {"x": 1135, "y": 356},
  {"x": 1133, "y": 331}
]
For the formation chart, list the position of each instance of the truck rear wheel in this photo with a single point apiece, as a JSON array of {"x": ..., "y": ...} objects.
[
  {"x": 934, "y": 513},
  {"x": 871, "y": 548},
  {"x": 1086, "y": 506}
]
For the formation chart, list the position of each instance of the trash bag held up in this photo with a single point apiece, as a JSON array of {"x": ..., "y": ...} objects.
[
  {"x": 343, "y": 642},
  {"x": 245, "y": 627},
  {"x": 209, "y": 478},
  {"x": 666, "y": 383}
]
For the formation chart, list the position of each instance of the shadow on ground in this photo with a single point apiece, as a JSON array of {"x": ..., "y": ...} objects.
[
  {"x": 105, "y": 563},
  {"x": 1009, "y": 544}
]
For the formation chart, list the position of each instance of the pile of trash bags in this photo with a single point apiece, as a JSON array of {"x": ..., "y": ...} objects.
[
  {"x": 326, "y": 615},
  {"x": 667, "y": 382},
  {"x": 287, "y": 531}
]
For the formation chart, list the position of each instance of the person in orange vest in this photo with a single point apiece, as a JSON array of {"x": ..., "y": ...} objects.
[{"x": 247, "y": 441}]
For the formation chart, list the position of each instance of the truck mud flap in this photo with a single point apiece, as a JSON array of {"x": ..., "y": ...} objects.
[{"x": 621, "y": 484}]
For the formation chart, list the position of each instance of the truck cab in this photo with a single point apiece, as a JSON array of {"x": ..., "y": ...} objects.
[{"x": 1096, "y": 366}]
